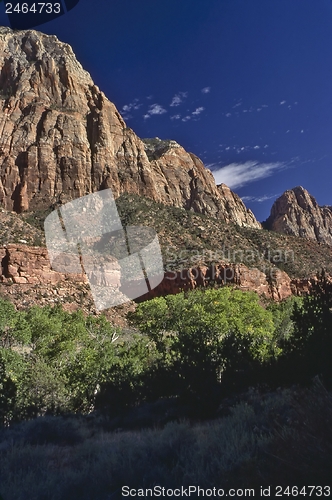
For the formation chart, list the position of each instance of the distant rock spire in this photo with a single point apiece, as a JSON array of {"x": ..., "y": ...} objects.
[{"x": 297, "y": 213}]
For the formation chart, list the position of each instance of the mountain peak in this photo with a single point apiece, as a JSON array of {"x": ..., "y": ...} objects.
[
  {"x": 61, "y": 138},
  {"x": 296, "y": 212}
]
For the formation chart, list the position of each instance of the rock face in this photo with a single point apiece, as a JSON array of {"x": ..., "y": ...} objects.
[
  {"x": 235, "y": 208},
  {"x": 25, "y": 265},
  {"x": 26, "y": 279},
  {"x": 297, "y": 213},
  {"x": 277, "y": 286},
  {"x": 30, "y": 265},
  {"x": 61, "y": 138}
]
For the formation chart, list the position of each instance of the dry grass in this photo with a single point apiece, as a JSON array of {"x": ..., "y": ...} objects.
[{"x": 278, "y": 438}]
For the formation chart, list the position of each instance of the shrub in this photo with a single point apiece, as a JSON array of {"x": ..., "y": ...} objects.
[{"x": 308, "y": 351}]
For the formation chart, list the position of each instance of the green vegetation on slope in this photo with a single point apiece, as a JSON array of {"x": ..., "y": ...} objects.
[
  {"x": 54, "y": 362},
  {"x": 188, "y": 239},
  {"x": 198, "y": 347},
  {"x": 196, "y": 357}
]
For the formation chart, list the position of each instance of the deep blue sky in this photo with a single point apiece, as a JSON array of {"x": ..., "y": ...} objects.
[{"x": 244, "y": 84}]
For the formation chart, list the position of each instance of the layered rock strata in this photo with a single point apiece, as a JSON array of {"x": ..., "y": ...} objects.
[
  {"x": 30, "y": 265},
  {"x": 277, "y": 286},
  {"x": 24, "y": 265},
  {"x": 61, "y": 138},
  {"x": 297, "y": 213}
]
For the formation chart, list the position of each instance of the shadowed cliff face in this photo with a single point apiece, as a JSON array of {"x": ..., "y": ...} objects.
[
  {"x": 297, "y": 213},
  {"x": 61, "y": 138}
]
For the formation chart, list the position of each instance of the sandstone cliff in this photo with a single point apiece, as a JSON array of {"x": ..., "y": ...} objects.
[
  {"x": 297, "y": 213},
  {"x": 28, "y": 267},
  {"x": 61, "y": 138},
  {"x": 27, "y": 279},
  {"x": 235, "y": 208}
]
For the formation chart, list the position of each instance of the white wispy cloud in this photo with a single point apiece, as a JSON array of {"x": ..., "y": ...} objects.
[
  {"x": 282, "y": 102},
  {"x": 259, "y": 199},
  {"x": 250, "y": 109},
  {"x": 175, "y": 117},
  {"x": 198, "y": 111},
  {"x": 186, "y": 118},
  {"x": 206, "y": 90},
  {"x": 155, "y": 109},
  {"x": 236, "y": 175},
  {"x": 135, "y": 104},
  {"x": 176, "y": 101},
  {"x": 239, "y": 149},
  {"x": 178, "y": 98},
  {"x": 128, "y": 108}
]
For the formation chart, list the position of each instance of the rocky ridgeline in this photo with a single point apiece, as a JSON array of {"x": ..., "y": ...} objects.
[
  {"x": 61, "y": 138},
  {"x": 297, "y": 213}
]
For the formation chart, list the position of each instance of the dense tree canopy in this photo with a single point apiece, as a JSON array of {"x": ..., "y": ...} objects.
[
  {"x": 195, "y": 346},
  {"x": 308, "y": 351},
  {"x": 220, "y": 311}
]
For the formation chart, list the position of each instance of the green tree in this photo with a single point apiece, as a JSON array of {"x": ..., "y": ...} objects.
[
  {"x": 282, "y": 313},
  {"x": 12, "y": 373},
  {"x": 192, "y": 333},
  {"x": 42, "y": 390},
  {"x": 129, "y": 379},
  {"x": 14, "y": 328},
  {"x": 7, "y": 395},
  {"x": 80, "y": 350},
  {"x": 308, "y": 351},
  {"x": 219, "y": 310},
  {"x": 88, "y": 363}
]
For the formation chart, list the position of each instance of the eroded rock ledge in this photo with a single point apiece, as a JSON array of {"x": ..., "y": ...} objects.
[{"x": 28, "y": 266}]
